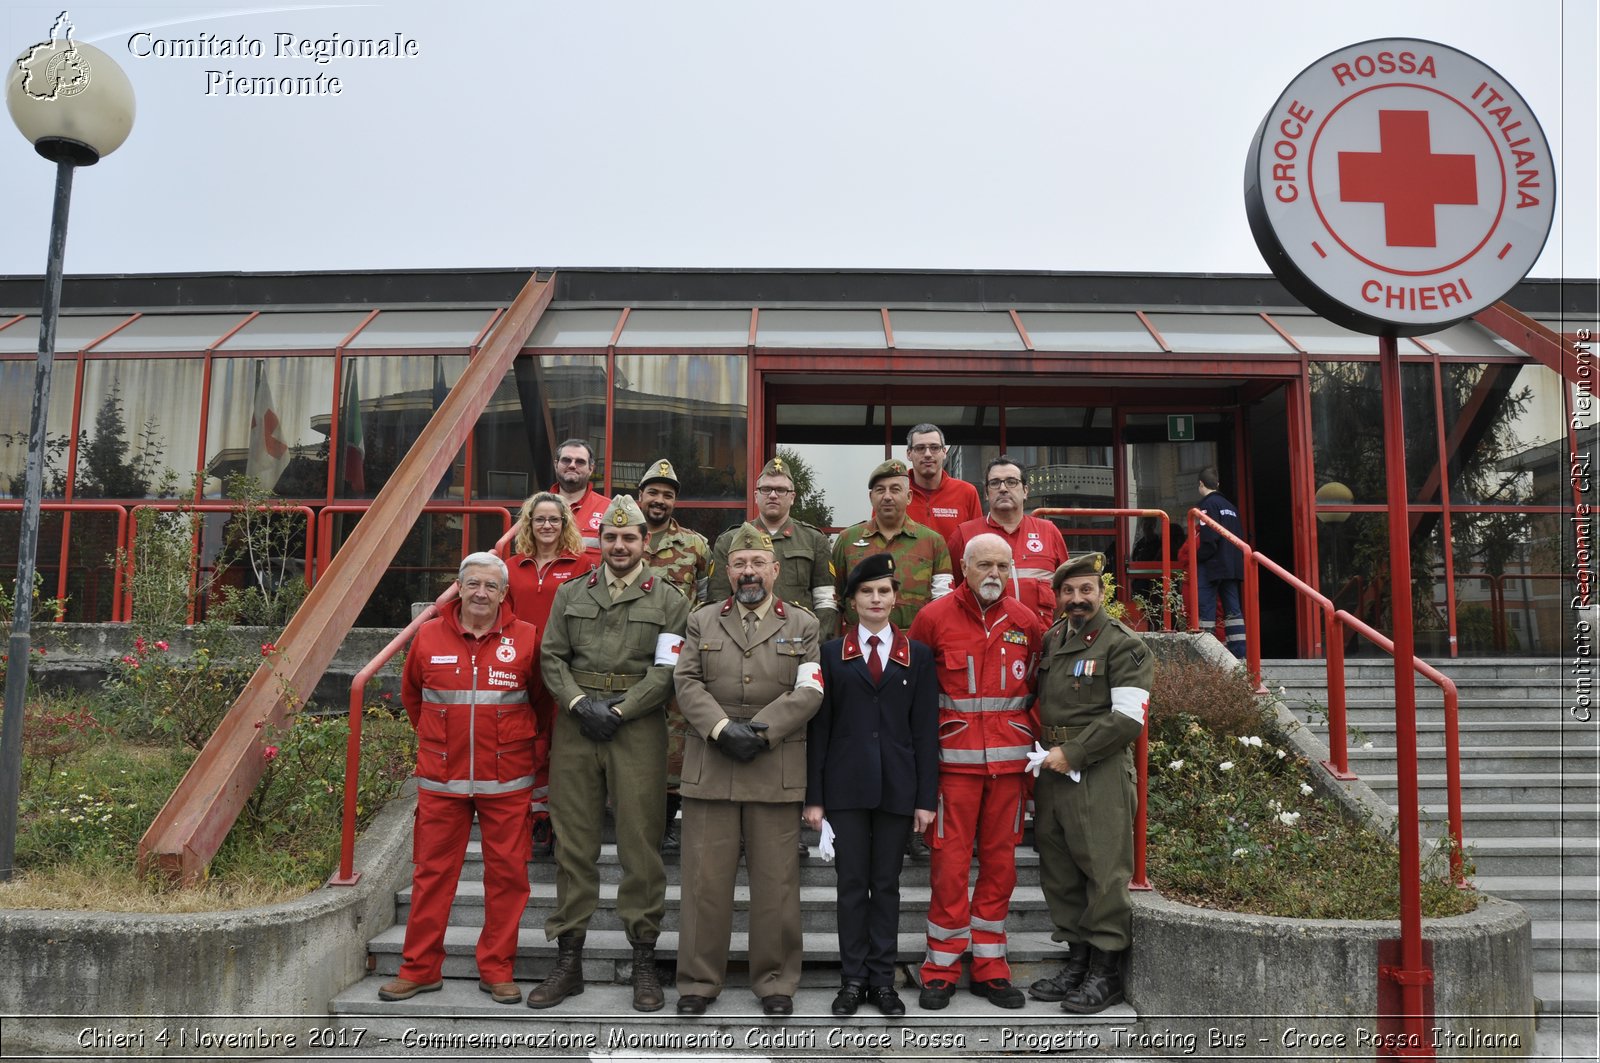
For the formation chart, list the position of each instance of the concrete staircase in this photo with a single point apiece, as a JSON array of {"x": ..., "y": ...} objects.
[
  {"x": 603, "y": 1016},
  {"x": 1530, "y": 801}
]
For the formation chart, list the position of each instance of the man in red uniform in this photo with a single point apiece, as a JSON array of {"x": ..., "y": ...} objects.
[
  {"x": 986, "y": 646},
  {"x": 470, "y": 679},
  {"x": 574, "y": 467},
  {"x": 1037, "y": 548},
  {"x": 941, "y": 502}
]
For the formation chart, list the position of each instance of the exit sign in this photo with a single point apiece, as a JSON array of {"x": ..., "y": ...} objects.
[{"x": 1180, "y": 427}]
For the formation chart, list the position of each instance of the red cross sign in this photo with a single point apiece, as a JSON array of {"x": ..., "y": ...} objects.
[{"x": 1399, "y": 186}]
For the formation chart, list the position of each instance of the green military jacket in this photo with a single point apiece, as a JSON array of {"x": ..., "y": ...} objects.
[
  {"x": 683, "y": 557},
  {"x": 805, "y": 577},
  {"x": 1094, "y": 689},
  {"x": 921, "y": 564},
  {"x": 634, "y": 641}
]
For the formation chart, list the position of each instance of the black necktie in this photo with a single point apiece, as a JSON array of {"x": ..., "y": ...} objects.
[{"x": 874, "y": 662}]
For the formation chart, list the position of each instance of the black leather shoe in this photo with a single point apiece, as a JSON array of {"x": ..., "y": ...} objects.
[
  {"x": 935, "y": 995},
  {"x": 777, "y": 1004},
  {"x": 887, "y": 1000},
  {"x": 693, "y": 1005},
  {"x": 1000, "y": 993},
  {"x": 849, "y": 999},
  {"x": 917, "y": 850}
]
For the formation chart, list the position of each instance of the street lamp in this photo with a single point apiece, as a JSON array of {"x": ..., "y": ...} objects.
[{"x": 75, "y": 105}]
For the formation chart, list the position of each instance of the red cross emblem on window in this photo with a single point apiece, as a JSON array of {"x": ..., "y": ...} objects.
[{"x": 1407, "y": 178}]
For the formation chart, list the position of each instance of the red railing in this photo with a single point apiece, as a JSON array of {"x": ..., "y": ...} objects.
[
  {"x": 1141, "y": 754},
  {"x": 347, "y": 875},
  {"x": 325, "y": 529},
  {"x": 122, "y": 537},
  {"x": 1336, "y": 622}
]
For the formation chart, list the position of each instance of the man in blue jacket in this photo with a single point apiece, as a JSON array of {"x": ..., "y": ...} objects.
[{"x": 1220, "y": 564}]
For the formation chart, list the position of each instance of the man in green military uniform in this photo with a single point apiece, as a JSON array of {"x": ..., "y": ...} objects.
[
  {"x": 805, "y": 578},
  {"x": 1094, "y": 689},
  {"x": 608, "y": 653},
  {"x": 921, "y": 559},
  {"x": 683, "y": 558}
]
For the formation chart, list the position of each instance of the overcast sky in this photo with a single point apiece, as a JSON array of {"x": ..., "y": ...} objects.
[{"x": 1012, "y": 134}]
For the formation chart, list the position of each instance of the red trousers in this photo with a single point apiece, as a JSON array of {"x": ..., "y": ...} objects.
[
  {"x": 438, "y": 847},
  {"x": 989, "y": 808}
]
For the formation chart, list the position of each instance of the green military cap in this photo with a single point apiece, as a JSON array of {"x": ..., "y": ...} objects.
[
  {"x": 776, "y": 467},
  {"x": 892, "y": 467},
  {"x": 1082, "y": 565},
  {"x": 622, "y": 512},
  {"x": 660, "y": 471},
  {"x": 749, "y": 537}
]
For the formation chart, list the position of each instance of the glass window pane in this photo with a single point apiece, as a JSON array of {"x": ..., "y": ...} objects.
[
  {"x": 91, "y": 553},
  {"x": 1219, "y": 333},
  {"x": 423, "y": 567},
  {"x": 73, "y": 333},
  {"x": 820, "y": 328},
  {"x": 1353, "y": 555},
  {"x": 1090, "y": 331},
  {"x": 540, "y": 403},
  {"x": 171, "y": 333},
  {"x": 1347, "y": 430},
  {"x": 689, "y": 409},
  {"x": 423, "y": 328},
  {"x": 141, "y": 425},
  {"x": 290, "y": 331},
  {"x": 298, "y": 393},
  {"x": 976, "y": 330},
  {"x": 1321, "y": 336},
  {"x": 574, "y": 328},
  {"x": 16, "y": 411},
  {"x": 396, "y": 398},
  {"x": 1514, "y": 582},
  {"x": 686, "y": 328},
  {"x": 1506, "y": 437}
]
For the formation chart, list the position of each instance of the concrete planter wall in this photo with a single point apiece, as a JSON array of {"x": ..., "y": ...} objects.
[
  {"x": 261, "y": 974},
  {"x": 1308, "y": 988}
]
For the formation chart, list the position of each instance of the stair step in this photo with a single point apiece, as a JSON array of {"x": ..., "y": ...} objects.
[
  {"x": 1534, "y": 856},
  {"x": 1473, "y": 732},
  {"x": 1528, "y": 820},
  {"x": 1534, "y": 786},
  {"x": 1566, "y": 945},
  {"x": 1511, "y": 759}
]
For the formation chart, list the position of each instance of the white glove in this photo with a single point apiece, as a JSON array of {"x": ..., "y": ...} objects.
[
  {"x": 1036, "y": 759},
  {"x": 825, "y": 847}
]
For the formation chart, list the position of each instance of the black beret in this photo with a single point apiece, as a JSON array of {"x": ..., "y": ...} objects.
[{"x": 869, "y": 568}]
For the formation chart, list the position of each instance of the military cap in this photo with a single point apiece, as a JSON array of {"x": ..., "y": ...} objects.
[
  {"x": 1082, "y": 565},
  {"x": 750, "y": 537},
  {"x": 659, "y": 471},
  {"x": 892, "y": 467},
  {"x": 623, "y": 512},
  {"x": 776, "y": 467},
  {"x": 869, "y": 568}
]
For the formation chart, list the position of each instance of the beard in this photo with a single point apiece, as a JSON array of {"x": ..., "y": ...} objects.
[
  {"x": 751, "y": 591},
  {"x": 990, "y": 590}
]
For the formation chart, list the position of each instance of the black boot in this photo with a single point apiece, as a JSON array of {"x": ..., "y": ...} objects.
[
  {"x": 566, "y": 977},
  {"x": 1101, "y": 986},
  {"x": 670, "y": 840},
  {"x": 647, "y": 995},
  {"x": 1064, "y": 981}
]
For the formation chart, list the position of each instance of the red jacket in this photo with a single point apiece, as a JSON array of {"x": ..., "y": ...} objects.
[
  {"x": 945, "y": 508},
  {"x": 986, "y": 664},
  {"x": 586, "y": 513},
  {"x": 533, "y": 592},
  {"x": 1037, "y": 550},
  {"x": 470, "y": 700}
]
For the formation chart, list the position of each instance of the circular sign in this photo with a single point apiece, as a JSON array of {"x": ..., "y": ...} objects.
[{"x": 1399, "y": 186}]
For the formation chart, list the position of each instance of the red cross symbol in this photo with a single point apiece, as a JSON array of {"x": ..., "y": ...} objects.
[{"x": 1407, "y": 178}]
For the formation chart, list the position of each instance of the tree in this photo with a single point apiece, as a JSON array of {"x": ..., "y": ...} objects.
[{"x": 808, "y": 504}]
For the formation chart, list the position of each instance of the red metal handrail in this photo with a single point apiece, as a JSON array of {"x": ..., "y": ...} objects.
[
  {"x": 122, "y": 537},
  {"x": 347, "y": 875},
  {"x": 1141, "y": 754},
  {"x": 325, "y": 529},
  {"x": 1337, "y": 620},
  {"x": 213, "y": 507}
]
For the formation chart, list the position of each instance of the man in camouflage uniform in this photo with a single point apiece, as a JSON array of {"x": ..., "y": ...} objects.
[
  {"x": 921, "y": 559},
  {"x": 607, "y": 659},
  {"x": 1094, "y": 689},
  {"x": 805, "y": 578},
  {"x": 683, "y": 558}
]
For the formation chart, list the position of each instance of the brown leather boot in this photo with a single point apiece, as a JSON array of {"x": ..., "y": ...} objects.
[
  {"x": 566, "y": 977},
  {"x": 647, "y": 995}
]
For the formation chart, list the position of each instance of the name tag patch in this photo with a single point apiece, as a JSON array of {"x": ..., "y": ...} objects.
[{"x": 443, "y": 658}]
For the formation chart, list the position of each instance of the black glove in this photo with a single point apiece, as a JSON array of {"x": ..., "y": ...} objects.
[
  {"x": 742, "y": 741},
  {"x": 596, "y": 720}
]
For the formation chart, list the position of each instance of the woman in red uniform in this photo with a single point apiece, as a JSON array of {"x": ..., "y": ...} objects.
[{"x": 546, "y": 552}]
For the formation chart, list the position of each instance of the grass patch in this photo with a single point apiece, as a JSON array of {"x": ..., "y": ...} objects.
[{"x": 1236, "y": 823}]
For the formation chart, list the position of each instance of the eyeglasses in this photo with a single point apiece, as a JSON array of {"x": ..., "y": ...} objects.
[
  {"x": 480, "y": 584},
  {"x": 545, "y": 520},
  {"x": 997, "y": 482},
  {"x": 926, "y": 448},
  {"x": 572, "y": 461},
  {"x": 776, "y": 492}
]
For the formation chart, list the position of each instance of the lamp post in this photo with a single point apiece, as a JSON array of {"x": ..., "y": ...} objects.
[{"x": 75, "y": 105}]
